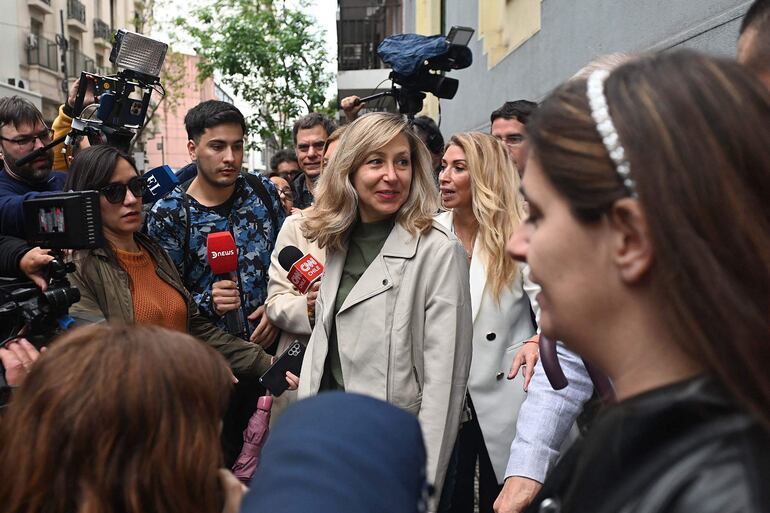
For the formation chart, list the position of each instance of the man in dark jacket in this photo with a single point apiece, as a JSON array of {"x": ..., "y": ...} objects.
[
  {"x": 310, "y": 134},
  {"x": 22, "y": 131}
]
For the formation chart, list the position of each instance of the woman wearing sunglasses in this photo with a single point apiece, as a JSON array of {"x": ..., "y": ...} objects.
[{"x": 131, "y": 278}]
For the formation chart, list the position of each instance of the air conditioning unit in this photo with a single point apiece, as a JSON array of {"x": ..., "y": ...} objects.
[{"x": 31, "y": 41}]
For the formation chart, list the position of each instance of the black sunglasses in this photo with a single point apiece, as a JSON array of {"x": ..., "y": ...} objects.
[{"x": 116, "y": 192}]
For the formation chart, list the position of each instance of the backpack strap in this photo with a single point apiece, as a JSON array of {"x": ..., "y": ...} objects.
[
  {"x": 187, "y": 229},
  {"x": 256, "y": 183}
]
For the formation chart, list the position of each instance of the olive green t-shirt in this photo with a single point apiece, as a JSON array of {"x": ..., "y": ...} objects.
[{"x": 364, "y": 245}]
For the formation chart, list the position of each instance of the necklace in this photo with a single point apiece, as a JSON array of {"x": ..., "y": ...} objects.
[{"x": 465, "y": 243}]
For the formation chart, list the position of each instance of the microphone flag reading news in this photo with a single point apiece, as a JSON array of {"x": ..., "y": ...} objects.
[{"x": 223, "y": 260}]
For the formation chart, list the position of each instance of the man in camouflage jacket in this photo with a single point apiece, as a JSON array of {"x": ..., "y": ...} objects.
[
  {"x": 182, "y": 221},
  {"x": 252, "y": 230},
  {"x": 221, "y": 198}
]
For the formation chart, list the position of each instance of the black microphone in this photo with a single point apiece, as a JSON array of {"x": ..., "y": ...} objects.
[
  {"x": 40, "y": 152},
  {"x": 288, "y": 256}
]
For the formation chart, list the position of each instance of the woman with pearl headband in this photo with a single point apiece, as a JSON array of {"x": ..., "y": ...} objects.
[{"x": 649, "y": 233}]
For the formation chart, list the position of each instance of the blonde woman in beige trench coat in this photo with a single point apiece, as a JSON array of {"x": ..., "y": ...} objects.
[{"x": 403, "y": 332}]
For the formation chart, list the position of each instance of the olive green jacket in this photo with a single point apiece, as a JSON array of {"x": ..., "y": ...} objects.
[{"x": 104, "y": 290}]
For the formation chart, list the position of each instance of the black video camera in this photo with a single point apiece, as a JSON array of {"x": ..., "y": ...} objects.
[
  {"x": 419, "y": 65},
  {"x": 123, "y": 98},
  {"x": 58, "y": 221}
]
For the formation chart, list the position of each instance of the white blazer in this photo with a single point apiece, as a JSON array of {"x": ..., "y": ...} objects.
[{"x": 499, "y": 331}]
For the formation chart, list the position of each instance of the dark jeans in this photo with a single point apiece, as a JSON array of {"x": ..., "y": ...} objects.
[{"x": 470, "y": 449}]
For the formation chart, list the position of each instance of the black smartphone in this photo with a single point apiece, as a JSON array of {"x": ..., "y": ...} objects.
[{"x": 274, "y": 379}]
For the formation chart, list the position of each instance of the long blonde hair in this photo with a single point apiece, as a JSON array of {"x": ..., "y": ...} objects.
[
  {"x": 496, "y": 203},
  {"x": 336, "y": 206}
]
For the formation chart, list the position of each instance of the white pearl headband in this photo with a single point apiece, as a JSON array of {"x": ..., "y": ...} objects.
[{"x": 604, "y": 125}]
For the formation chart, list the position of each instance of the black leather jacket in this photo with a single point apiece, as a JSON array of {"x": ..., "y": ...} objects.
[{"x": 684, "y": 448}]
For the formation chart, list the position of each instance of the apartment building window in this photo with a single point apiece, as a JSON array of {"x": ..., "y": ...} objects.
[
  {"x": 361, "y": 26},
  {"x": 36, "y": 27}
]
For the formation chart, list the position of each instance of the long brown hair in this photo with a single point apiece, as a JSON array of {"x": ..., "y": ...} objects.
[
  {"x": 116, "y": 418},
  {"x": 496, "y": 203},
  {"x": 695, "y": 133}
]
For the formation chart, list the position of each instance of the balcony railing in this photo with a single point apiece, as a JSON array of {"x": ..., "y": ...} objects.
[
  {"x": 43, "y": 53},
  {"x": 76, "y": 11},
  {"x": 360, "y": 29},
  {"x": 102, "y": 30},
  {"x": 77, "y": 62}
]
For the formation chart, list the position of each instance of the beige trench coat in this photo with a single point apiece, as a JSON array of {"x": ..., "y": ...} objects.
[
  {"x": 285, "y": 306},
  {"x": 404, "y": 334}
]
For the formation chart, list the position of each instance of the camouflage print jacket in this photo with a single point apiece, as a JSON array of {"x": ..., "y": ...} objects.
[{"x": 252, "y": 228}]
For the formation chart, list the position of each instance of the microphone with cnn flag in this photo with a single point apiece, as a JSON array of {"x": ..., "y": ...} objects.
[
  {"x": 303, "y": 270},
  {"x": 223, "y": 260}
]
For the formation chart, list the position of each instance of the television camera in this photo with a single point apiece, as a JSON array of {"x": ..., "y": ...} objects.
[
  {"x": 66, "y": 220},
  {"x": 419, "y": 64},
  {"x": 122, "y": 99}
]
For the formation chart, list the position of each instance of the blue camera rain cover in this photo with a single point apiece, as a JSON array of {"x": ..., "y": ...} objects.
[{"x": 406, "y": 52}]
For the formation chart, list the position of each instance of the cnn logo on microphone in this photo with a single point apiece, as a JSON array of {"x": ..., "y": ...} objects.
[{"x": 304, "y": 272}]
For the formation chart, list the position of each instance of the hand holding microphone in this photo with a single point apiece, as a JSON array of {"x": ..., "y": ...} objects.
[
  {"x": 304, "y": 272},
  {"x": 225, "y": 297},
  {"x": 312, "y": 296},
  {"x": 223, "y": 260}
]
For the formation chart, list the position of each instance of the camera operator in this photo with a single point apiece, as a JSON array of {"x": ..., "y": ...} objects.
[
  {"x": 18, "y": 259},
  {"x": 22, "y": 131},
  {"x": 63, "y": 123}
]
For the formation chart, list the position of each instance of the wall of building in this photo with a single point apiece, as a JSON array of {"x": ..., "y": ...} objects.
[
  {"x": 169, "y": 144},
  {"x": 571, "y": 34},
  {"x": 28, "y": 41}
]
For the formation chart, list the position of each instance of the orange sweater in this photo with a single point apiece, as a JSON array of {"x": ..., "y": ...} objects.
[{"x": 155, "y": 301}]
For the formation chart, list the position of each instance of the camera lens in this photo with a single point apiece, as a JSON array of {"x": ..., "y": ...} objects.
[{"x": 60, "y": 299}]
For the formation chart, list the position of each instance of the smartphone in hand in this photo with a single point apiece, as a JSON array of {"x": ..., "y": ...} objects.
[{"x": 274, "y": 379}]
